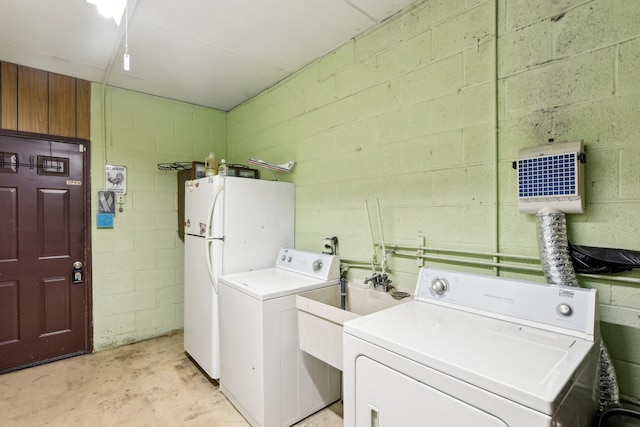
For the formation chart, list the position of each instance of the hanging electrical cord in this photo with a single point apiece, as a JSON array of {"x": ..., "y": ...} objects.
[
  {"x": 126, "y": 37},
  {"x": 106, "y": 78}
]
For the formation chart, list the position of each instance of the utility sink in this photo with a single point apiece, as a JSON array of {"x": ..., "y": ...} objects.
[{"x": 320, "y": 317}]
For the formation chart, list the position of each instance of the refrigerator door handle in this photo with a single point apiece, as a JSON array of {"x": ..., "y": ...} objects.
[{"x": 208, "y": 239}]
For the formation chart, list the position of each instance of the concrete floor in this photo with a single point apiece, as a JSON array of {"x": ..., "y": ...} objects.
[{"x": 150, "y": 383}]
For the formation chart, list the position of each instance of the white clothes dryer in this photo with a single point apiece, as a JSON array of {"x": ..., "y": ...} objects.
[
  {"x": 263, "y": 371},
  {"x": 474, "y": 350}
]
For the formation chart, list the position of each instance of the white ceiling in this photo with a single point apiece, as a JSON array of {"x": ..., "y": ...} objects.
[{"x": 215, "y": 53}]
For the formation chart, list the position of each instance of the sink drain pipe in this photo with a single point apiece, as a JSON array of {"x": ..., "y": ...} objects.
[{"x": 558, "y": 268}]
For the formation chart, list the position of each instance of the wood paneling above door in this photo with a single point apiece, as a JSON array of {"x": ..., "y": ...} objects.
[
  {"x": 33, "y": 100},
  {"x": 9, "y": 95},
  {"x": 83, "y": 109},
  {"x": 62, "y": 105},
  {"x": 36, "y": 101}
]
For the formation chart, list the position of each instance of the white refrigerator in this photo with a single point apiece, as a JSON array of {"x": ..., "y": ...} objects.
[{"x": 231, "y": 225}]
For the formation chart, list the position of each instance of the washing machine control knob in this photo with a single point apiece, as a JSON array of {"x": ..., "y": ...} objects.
[
  {"x": 565, "y": 310},
  {"x": 439, "y": 286},
  {"x": 283, "y": 257},
  {"x": 317, "y": 265}
]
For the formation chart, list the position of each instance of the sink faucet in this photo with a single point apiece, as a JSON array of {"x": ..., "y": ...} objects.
[{"x": 379, "y": 281}]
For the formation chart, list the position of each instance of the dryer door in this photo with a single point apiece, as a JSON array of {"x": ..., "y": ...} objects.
[{"x": 388, "y": 398}]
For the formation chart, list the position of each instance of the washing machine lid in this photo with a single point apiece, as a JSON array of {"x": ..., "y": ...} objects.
[
  {"x": 530, "y": 366},
  {"x": 272, "y": 283}
]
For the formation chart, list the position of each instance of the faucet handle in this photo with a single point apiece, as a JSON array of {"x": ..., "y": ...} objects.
[{"x": 375, "y": 277}]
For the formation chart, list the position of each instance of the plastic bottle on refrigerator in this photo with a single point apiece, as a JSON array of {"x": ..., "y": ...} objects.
[
  {"x": 222, "y": 168},
  {"x": 210, "y": 165}
]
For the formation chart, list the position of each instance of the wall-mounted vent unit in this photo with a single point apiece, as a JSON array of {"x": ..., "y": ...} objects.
[{"x": 551, "y": 176}]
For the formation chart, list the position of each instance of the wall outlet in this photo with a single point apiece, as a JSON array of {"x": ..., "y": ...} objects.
[{"x": 330, "y": 245}]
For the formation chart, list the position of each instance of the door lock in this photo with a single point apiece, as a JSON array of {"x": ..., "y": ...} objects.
[{"x": 77, "y": 273}]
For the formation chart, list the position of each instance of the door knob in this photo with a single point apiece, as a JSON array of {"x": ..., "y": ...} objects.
[{"x": 76, "y": 274}]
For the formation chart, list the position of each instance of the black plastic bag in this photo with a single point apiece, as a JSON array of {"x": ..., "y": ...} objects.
[
  {"x": 592, "y": 260},
  {"x": 619, "y": 417}
]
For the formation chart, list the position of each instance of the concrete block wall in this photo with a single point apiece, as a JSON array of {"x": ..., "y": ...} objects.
[
  {"x": 138, "y": 265},
  {"x": 568, "y": 70},
  {"x": 406, "y": 114},
  {"x": 403, "y": 113}
]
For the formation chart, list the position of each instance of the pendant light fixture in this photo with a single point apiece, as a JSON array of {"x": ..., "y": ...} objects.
[
  {"x": 116, "y": 9},
  {"x": 111, "y": 8}
]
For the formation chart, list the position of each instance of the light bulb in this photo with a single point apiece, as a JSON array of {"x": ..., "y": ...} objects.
[{"x": 105, "y": 9}]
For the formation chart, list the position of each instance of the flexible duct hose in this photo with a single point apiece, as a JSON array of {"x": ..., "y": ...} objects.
[
  {"x": 554, "y": 248},
  {"x": 609, "y": 393},
  {"x": 558, "y": 269}
]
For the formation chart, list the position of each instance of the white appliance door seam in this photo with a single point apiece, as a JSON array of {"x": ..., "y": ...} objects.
[{"x": 210, "y": 238}]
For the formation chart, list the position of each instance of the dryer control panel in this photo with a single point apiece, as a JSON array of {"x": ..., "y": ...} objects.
[{"x": 563, "y": 309}]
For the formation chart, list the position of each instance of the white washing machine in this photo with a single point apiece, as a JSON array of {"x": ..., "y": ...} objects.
[
  {"x": 263, "y": 371},
  {"x": 473, "y": 350}
]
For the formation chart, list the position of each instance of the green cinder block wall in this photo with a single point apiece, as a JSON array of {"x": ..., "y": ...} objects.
[
  {"x": 138, "y": 264},
  {"x": 422, "y": 115},
  {"x": 425, "y": 114}
]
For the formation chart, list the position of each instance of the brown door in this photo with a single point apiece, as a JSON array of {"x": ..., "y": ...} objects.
[{"x": 43, "y": 301}]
